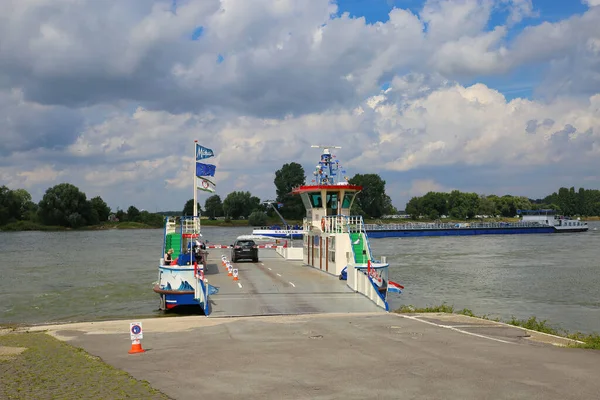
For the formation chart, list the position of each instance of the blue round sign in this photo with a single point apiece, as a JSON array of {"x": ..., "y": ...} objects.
[{"x": 136, "y": 329}]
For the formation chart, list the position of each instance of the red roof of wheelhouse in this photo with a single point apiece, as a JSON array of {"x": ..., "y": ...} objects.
[{"x": 312, "y": 188}]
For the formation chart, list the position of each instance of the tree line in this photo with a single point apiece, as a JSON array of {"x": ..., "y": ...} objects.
[
  {"x": 461, "y": 205},
  {"x": 66, "y": 206}
]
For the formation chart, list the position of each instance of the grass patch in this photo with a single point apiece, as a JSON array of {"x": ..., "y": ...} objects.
[
  {"x": 444, "y": 308},
  {"x": 51, "y": 369},
  {"x": 590, "y": 341},
  {"x": 34, "y": 226},
  {"x": 535, "y": 325},
  {"x": 121, "y": 225}
]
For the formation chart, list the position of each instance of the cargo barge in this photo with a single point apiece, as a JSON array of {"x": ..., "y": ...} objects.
[{"x": 533, "y": 221}]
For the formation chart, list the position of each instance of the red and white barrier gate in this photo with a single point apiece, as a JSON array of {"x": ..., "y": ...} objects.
[{"x": 260, "y": 246}]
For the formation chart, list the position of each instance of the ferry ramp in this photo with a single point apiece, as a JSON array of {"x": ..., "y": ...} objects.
[{"x": 274, "y": 286}]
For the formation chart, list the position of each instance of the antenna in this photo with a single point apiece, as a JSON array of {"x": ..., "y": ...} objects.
[{"x": 326, "y": 148}]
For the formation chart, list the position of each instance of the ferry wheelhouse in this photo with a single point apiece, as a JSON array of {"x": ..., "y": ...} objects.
[{"x": 336, "y": 242}]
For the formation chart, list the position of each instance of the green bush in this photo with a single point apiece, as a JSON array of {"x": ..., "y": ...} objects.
[{"x": 257, "y": 218}]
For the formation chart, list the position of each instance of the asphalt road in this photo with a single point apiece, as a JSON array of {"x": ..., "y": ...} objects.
[{"x": 274, "y": 286}]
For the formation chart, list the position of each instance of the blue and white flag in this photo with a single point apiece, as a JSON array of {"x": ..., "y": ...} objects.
[
  {"x": 203, "y": 152},
  {"x": 205, "y": 169}
]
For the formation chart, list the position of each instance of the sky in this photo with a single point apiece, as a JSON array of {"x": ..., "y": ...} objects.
[{"x": 486, "y": 96}]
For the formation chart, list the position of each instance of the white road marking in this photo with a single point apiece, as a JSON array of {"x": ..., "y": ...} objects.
[
  {"x": 240, "y": 285},
  {"x": 269, "y": 269},
  {"x": 292, "y": 283},
  {"x": 263, "y": 264},
  {"x": 455, "y": 329},
  {"x": 278, "y": 274}
]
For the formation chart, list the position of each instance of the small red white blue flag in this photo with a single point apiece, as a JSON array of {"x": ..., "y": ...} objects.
[{"x": 395, "y": 287}]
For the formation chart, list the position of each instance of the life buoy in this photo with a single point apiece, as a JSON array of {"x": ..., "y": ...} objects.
[{"x": 323, "y": 224}]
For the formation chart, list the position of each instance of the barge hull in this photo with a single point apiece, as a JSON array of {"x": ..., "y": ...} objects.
[{"x": 378, "y": 234}]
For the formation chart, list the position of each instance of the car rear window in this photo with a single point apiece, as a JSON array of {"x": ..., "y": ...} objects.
[{"x": 245, "y": 243}]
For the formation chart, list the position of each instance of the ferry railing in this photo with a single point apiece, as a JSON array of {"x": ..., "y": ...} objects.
[
  {"x": 170, "y": 225},
  {"x": 306, "y": 224},
  {"x": 201, "y": 293},
  {"x": 190, "y": 225},
  {"x": 367, "y": 240},
  {"x": 356, "y": 224},
  {"x": 281, "y": 228},
  {"x": 347, "y": 224}
]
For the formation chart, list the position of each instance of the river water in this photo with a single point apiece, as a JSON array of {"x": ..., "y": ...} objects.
[{"x": 95, "y": 275}]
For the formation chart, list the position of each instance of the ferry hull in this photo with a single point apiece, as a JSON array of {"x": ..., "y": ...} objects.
[
  {"x": 174, "y": 298},
  {"x": 378, "y": 234}
]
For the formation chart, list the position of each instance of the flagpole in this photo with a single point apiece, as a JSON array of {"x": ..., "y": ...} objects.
[{"x": 195, "y": 190}]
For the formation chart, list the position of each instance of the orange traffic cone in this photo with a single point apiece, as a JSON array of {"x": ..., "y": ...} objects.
[
  {"x": 136, "y": 347},
  {"x": 229, "y": 273}
]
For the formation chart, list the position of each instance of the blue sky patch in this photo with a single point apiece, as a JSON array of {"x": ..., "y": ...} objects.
[
  {"x": 197, "y": 33},
  {"x": 376, "y": 10}
]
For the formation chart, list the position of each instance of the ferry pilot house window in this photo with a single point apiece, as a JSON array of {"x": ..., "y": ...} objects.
[
  {"x": 316, "y": 201},
  {"x": 347, "y": 200},
  {"x": 332, "y": 200}
]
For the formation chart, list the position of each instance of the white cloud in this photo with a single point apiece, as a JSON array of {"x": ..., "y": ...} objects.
[
  {"x": 592, "y": 3},
  {"x": 86, "y": 53},
  {"x": 111, "y": 95},
  {"x": 520, "y": 9},
  {"x": 451, "y": 125},
  {"x": 419, "y": 187}
]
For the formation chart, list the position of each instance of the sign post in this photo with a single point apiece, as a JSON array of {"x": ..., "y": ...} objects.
[
  {"x": 136, "y": 333},
  {"x": 235, "y": 274}
]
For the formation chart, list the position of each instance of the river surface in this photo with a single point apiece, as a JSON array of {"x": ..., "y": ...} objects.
[{"x": 95, "y": 275}]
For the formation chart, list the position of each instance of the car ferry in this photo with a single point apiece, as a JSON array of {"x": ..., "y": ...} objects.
[{"x": 181, "y": 269}]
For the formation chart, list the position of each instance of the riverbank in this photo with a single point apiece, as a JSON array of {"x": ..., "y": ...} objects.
[
  {"x": 24, "y": 226},
  {"x": 21, "y": 226}
]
